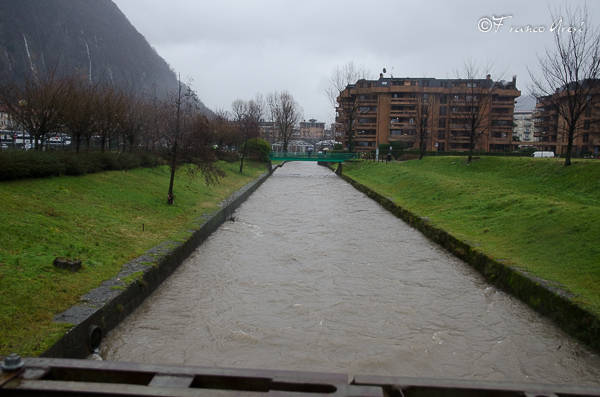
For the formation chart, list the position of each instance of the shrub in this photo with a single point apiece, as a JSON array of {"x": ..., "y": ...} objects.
[
  {"x": 19, "y": 164},
  {"x": 230, "y": 157},
  {"x": 258, "y": 149}
]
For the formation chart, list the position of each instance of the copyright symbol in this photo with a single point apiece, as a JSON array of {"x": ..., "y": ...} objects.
[{"x": 485, "y": 24}]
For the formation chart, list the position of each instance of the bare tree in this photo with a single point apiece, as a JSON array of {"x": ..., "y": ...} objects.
[
  {"x": 78, "y": 113},
  {"x": 345, "y": 105},
  {"x": 226, "y": 133},
  {"x": 473, "y": 103},
  {"x": 421, "y": 121},
  {"x": 107, "y": 108},
  {"x": 568, "y": 73},
  {"x": 285, "y": 113},
  {"x": 188, "y": 137},
  {"x": 36, "y": 105},
  {"x": 247, "y": 117},
  {"x": 134, "y": 119}
]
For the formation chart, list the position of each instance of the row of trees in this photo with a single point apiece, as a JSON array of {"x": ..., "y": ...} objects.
[
  {"x": 566, "y": 81},
  {"x": 279, "y": 107},
  {"x": 103, "y": 117}
]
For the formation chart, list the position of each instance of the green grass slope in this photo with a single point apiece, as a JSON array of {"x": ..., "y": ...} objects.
[
  {"x": 104, "y": 219},
  {"x": 534, "y": 214}
]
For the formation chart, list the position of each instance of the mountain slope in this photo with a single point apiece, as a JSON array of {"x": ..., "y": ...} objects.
[{"x": 89, "y": 37}]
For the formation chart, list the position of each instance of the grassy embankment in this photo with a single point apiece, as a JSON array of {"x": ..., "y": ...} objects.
[
  {"x": 534, "y": 214},
  {"x": 97, "y": 218}
]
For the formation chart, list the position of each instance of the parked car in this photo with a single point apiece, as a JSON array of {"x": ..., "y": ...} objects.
[{"x": 543, "y": 154}]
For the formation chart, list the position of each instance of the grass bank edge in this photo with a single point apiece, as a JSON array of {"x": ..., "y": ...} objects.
[
  {"x": 105, "y": 219},
  {"x": 515, "y": 210}
]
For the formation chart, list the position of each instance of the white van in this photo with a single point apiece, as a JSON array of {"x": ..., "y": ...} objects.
[{"x": 543, "y": 154}]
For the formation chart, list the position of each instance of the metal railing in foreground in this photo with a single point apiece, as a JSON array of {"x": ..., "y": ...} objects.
[{"x": 49, "y": 376}]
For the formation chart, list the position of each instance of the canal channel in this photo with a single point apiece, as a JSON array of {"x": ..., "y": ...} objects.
[{"x": 311, "y": 274}]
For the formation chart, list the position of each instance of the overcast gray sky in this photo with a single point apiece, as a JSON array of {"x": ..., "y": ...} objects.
[{"x": 235, "y": 49}]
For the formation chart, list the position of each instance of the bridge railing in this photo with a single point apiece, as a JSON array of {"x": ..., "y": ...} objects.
[
  {"x": 307, "y": 156},
  {"x": 51, "y": 376}
]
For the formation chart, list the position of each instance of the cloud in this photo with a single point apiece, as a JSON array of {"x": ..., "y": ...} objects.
[{"x": 234, "y": 49}]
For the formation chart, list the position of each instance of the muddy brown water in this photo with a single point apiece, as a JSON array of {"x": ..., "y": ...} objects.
[{"x": 313, "y": 275}]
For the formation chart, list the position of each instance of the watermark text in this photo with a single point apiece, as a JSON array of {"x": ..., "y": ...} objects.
[{"x": 495, "y": 24}]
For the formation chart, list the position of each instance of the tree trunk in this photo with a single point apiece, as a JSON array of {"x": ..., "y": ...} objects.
[
  {"x": 471, "y": 146},
  {"x": 350, "y": 138},
  {"x": 244, "y": 149},
  {"x": 170, "y": 197},
  {"x": 569, "y": 145}
]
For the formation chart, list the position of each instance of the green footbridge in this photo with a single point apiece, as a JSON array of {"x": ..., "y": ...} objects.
[{"x": 305, "y": 156}]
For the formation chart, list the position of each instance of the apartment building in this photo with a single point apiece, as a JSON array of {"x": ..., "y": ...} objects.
[
  {"x": 312, "y": 129},
  {"x": 551, "y": 129},
  {"x": 523, "y": 127},
  {"x": 397, "y": 109}
]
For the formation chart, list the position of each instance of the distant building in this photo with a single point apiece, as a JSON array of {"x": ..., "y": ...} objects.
[
  {"x": 551, "y": 128},
  {"x": 312, "y": 129},
  {"x": 523, "y": 128},
  {"x": 295, "y": 146},
  {"x": 386, "y": 111},
  {"x": 6, "y": 123},
  {"x": 267, "y": 131}
]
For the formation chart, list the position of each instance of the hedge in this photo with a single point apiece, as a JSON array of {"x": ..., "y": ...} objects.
[{"x": 31, "y": 164}]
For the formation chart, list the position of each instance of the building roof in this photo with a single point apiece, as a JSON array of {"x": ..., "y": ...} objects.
[
  {"x": 433, "y": 82},
  {"x": 525, "y": 103}
]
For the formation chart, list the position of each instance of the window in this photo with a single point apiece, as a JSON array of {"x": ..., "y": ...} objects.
[
  {"x": 365, "y": 132},
  {"x": 366, "y": 120},
  {"x": 442, "y": 123},
  {"x": 442, "y": 110},
  {"x": 586, "y": 138},
  {"x": 586, "y": 125},
  {"x": 444, "y": 99}
]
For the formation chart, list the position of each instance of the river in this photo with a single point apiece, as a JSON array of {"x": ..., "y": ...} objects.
[{"x": 313, "y": 275}]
